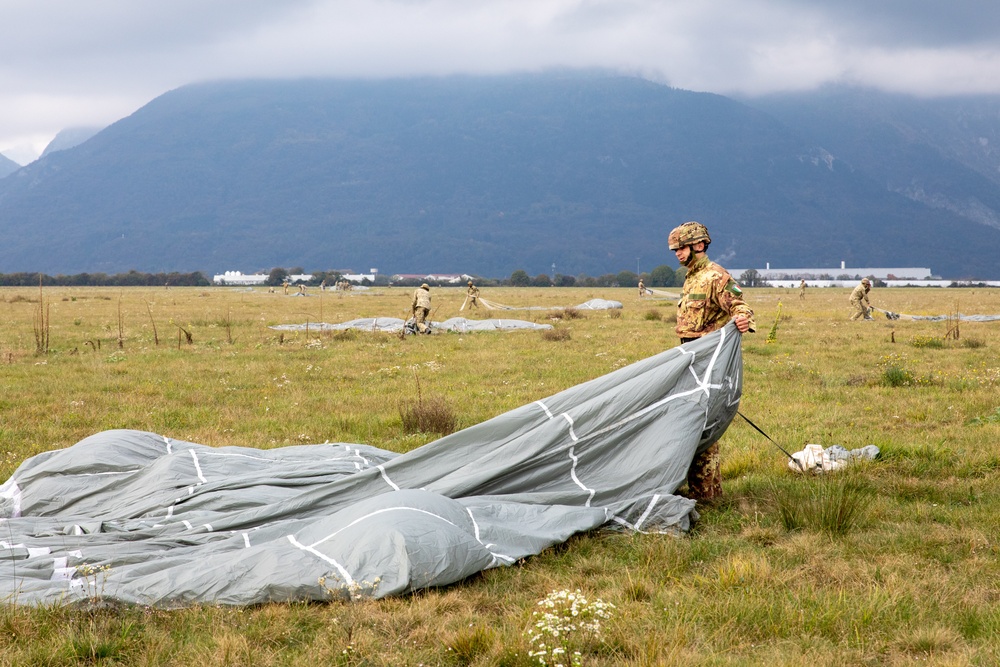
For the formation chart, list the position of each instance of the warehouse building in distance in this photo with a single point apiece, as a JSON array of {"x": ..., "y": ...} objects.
[{"x": 845, "y": 276}]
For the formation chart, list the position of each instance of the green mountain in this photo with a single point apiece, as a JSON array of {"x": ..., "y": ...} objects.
[{"x": 482, "y": 175}]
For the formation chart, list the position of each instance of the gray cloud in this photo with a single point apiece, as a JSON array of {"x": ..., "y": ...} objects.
[{"x": 69, "y": 63}]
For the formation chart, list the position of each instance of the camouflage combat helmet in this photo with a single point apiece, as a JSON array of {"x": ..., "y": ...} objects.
[
  {"x": 425, "y": 286},
  {"x": 865, "y": 281},
  {"x": 688, "y": 234}
]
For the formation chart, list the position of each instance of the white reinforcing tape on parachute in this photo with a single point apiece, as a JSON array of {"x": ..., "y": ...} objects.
[
  {"x": 572, "y": 454},
  {"x": 703, "y": 386},
  {"x": 649, "y": 509},
  {"x": 311, "y": 548},
  {"x": 385, "y": 476},
  {"x": 572, "y": 473},
  {"x": 11, "y": 490},
  {"x": 488, "y": 547},
  {"x": 197, "y": 466},
  {"x": 348, "y": 579}
]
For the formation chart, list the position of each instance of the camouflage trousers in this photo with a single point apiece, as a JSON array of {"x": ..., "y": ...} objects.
[
  {"x": 705, "y": 475},
  {"x": 859, "y": 310},
  {"x": 420, "y": 318}
]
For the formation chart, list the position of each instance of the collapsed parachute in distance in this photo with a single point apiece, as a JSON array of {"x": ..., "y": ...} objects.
[{"x": 395, "y": 325}]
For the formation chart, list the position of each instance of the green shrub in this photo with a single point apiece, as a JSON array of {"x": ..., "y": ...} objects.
[
  {"x": 895, "y": 376},
  {"x": 832, "y": 503},
  {"x": 927, "y": 341}
]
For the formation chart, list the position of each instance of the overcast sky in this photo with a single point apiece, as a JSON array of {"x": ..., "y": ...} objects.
[{"x": 72, "y": 63}]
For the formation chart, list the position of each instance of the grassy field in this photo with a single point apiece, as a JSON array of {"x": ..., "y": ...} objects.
[{"x": 887, "y": 563}]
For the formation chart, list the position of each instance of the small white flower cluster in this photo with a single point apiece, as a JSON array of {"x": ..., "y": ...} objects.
[
  {"x": 94, "y": 578},
  {"x": 563, "y": 620}
]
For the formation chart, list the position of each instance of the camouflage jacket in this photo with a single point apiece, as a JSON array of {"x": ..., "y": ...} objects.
[
  {"x": 709, "y": 299},
  {"x": 421, "y": 299},
  {"x": 860, "y": 295}
]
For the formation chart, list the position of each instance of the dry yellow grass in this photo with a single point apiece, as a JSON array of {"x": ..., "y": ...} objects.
[{"x": 918, "y": 579}]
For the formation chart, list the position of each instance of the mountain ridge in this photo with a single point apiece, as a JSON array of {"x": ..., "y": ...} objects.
[{"x": 484, "y": 175}]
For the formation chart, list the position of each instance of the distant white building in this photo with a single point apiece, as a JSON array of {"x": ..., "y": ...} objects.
[
  {"x": 848, "y": 277},
  {"x": 448, "y": 278},
  {"x": 842, "y": 273},
  {"x": 237, "y": 278},
  {"x": 358, "y": 277}
]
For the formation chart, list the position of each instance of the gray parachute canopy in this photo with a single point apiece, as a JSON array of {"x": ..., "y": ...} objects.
[
  {"x": 395, "y": 325},
  {"x": 142, "y": 518}
]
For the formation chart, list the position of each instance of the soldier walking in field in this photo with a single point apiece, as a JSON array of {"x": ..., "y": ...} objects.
[
  {"x": 859, "y": 301},
  {"x": 473, "y": 295},
  {"x": 642, "y": 288},
  {"x": 802, "y": 290},
  {"x": 421, "y": 307},
  {"x": 709, "y": 299}
]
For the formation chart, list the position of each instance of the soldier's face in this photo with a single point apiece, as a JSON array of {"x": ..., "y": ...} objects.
[{"x": 685, "y": 255}]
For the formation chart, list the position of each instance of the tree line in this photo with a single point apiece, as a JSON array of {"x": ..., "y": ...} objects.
[
  {"x": 130, "y": 279},
  {"x": 661, "y": 276}
]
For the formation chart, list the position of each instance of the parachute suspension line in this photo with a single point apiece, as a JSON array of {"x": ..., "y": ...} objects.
[{"x": 758, "y": 429}]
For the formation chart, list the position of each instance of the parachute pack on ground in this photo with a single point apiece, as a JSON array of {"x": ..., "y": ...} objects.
[{"x": 142, "y": 518}]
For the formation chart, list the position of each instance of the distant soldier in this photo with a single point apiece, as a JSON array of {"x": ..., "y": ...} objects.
[
  {"x": 859, "y": 301},
  {"x": 284, "y": 285},
  {"x": 322, "y": 286},
  {"x": 802, "y": 290},
  {"x": 709, "y": 299},
  {"x": 421, "y": 307},
  {"x": 473, "y": 293},
  {"x": 642, "y": 288}
]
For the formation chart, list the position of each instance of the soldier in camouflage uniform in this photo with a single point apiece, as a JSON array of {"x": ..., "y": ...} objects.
[
  {"x": 473, "y": 295},
  {"x": 709, "y": 299},
  {"x": 421, "y": 307},
  {"x": 859, "y": 300}
]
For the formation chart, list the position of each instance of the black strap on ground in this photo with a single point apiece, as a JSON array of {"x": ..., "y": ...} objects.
[{"x": 758, "y": 429}]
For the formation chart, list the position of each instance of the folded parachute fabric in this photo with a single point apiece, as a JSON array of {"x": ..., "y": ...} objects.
[
  {"x": 395, "y": 325},
  {"x": 816, "y": 459},
  {"x": 938, "y": 318},
  {"x": 142, "y": 518},
  {"x": 592, "y": 304}
]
